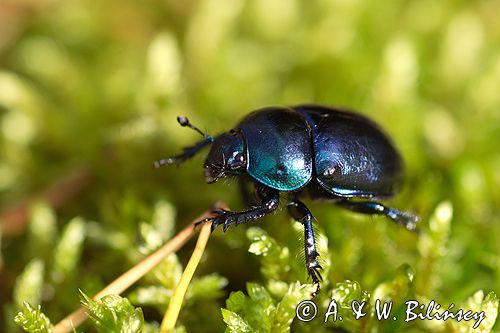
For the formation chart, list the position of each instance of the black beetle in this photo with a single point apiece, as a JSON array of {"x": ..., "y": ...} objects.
[{"x": 327, "y": 153}]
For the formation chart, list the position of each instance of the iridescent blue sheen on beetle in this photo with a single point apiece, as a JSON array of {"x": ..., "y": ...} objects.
[
  {"x": 327, "y": 153},
  {"x": 278, "y": 148}
]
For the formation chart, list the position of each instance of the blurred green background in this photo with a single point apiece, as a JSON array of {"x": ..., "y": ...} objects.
[{"x": 89, "y": 93}]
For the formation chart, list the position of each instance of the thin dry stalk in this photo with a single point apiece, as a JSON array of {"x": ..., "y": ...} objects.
[
  {"x": 132, "y": 275},
  {"x": 174, "y": 307}
]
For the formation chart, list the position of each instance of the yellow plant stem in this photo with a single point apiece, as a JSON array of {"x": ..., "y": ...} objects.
[
  {"x": 175, "y": 304},
  {"x": 131, "y": 276}
]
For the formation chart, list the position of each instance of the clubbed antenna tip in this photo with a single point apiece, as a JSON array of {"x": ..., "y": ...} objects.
[{"x": 184, "y": 122}]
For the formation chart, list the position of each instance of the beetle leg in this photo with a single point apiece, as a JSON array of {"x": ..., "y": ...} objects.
[
  {"x": 269, "y": 203},
  {"x": 406, "y": 219},
  {"x": 187, "y": 153},
  {"x": 299, "y": 211}
]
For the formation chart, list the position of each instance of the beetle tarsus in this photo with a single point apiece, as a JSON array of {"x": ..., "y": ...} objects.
[
  {"x": 316, "y": 278},
  {"x": 269, "y": 203},
  {"x": 318, "y": 288},
  {"x": 406, "y": 219}
]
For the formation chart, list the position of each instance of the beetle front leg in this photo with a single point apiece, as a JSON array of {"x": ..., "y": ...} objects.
[
  {"x": 269, "y": 203},
  {"x": 301, "y": 213},
  {"x": 406, "y": 219}
]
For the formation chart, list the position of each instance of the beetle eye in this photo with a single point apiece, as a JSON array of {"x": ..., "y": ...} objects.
[
  {"x": 240, "y": 158},
  {"x": 329, "y": 171},
  {"x": 233, "y": 132}
]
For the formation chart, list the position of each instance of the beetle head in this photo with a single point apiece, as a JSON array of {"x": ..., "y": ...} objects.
[{"x": 226, "y": 157}]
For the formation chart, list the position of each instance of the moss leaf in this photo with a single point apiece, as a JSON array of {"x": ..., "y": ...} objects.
[
  {"x": 114, "y": 314},
  {"x": 32, "y": 320}
]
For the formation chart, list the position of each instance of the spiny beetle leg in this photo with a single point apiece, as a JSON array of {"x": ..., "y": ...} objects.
[
  {"x": 301, "y": 213},
  {"x": 227, "y": 218}
]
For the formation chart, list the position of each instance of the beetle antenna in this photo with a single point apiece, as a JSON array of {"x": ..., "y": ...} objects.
[
  {"x": 188, "y": 152},
  {"x": 184, "y": 122}
]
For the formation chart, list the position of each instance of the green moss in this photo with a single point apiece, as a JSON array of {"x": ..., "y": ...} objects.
[
  {"x": 93, "y": 88},
  {"x": 33, "y": 320}
]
